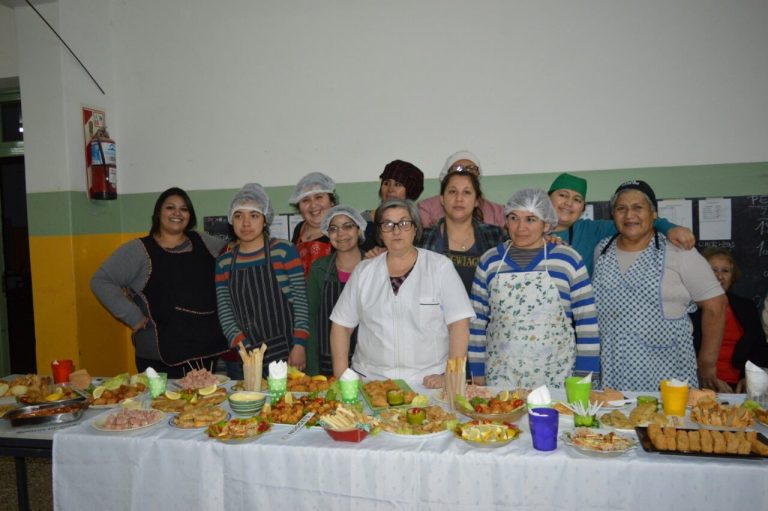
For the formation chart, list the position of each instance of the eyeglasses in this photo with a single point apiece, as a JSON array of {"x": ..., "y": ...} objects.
[
  {"x": 403, "y": 225},
  {"x": 346, "y": 227},
  {"x": 471, "y": 168}
]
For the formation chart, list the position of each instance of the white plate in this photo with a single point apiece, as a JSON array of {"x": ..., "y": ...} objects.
[
  {"x": 566, "y": 438},
  {"x": 619, "y": 403},
  {"x": 99, "y": 424},
  {"x": 417, "y": 437},
  {"x": 173, "y": 417}
]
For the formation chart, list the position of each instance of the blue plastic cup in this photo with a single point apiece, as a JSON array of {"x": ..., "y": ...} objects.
[{"x": 543, "y": 423}]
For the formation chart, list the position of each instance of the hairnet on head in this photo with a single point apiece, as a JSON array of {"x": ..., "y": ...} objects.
[
  {"x": 343, "y": 209},
  {"x": 533, "y": 200},
  {"x": 459, "y": 155},
  {"x": 314, "y": 182},
  {"x": 251, "y": 197}
]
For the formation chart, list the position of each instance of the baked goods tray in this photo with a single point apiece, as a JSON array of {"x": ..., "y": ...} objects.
[
  {"x": 645, "y": 441},
  {"x": 60, "y": 412}
]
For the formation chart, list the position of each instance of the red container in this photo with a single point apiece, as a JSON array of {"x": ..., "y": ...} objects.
[
  {"x": 352, "y": 435},
  {"x": 61, "y": 370}
]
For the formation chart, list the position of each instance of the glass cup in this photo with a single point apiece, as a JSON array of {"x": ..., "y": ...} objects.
[
  {"x": 61, "y": 369},
  {"x": 349, "y": 390},
  {"x": 577, "y": 392},
  {"x": 277, "y": 387},
  {"x": 543, "y": 424},
  {"x": 157, "y": 384},
  {"x": 674, "y": 399}
]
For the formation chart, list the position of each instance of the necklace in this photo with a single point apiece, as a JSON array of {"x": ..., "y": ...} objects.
[{"x": 462, "y": 244}]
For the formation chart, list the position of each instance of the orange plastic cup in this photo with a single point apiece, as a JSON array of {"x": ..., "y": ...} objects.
[
  {"x": 673, "y": 399},
  {"x": 61, "y": 369}
]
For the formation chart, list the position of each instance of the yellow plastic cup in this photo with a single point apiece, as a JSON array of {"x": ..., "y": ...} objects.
[{"x": 674, "y": 399}]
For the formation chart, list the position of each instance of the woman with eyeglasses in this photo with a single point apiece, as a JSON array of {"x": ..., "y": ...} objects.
[
  {"x": 327, "y": 278},
  {"x": 431, "y": 209},
  {"x": 535, "y": 310},
  {"x": 408, "y": 304}
]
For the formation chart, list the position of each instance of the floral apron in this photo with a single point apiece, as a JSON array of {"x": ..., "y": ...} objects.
[
  {"x": 639, "y": 345},
  {"x": 530, "y": 339}
]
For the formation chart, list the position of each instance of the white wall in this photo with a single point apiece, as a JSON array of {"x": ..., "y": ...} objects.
[
  {"x": 212, "y": 94},
  {"x": 8, "y": 67}
]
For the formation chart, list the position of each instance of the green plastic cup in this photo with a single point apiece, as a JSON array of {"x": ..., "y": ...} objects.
[
  {"x": 158, "y": 384},
  {"x": 277, "y": 387},
  {"x": 577, "y": 392},
  {"x": 349, "y": 390}
]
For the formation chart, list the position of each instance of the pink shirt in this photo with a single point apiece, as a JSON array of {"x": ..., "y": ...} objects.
[{"x": 430, "y": 211}]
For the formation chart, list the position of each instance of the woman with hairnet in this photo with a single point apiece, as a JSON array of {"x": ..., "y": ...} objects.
[
  {"x": 345, "y": 227},
  {"x": 313, "y": 196},
  {"x": 529, "y": 297},
  {"x": 260, "y": 286}
]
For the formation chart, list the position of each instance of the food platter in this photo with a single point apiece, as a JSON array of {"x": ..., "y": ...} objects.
[
  {"x": 510, "y": 416},
  {"x": 648, "y": 446},
  {"x": 374, "y": 401},
  {"x": 100, "y": 423},
  {"x": 599, "y": 443},
  {"x": 487, "y": 434},
  {"x": 60, "y": 412},
  {"x": 199, "y": 418},
  {"x": 437, "y": 422},
  {"x": 470, "y": 391},
  {"x": 290, "y": 414},
  {"x": 238, "y": 431}
]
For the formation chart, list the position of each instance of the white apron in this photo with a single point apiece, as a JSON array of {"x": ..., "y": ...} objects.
[{"x": 530, "y": 339}]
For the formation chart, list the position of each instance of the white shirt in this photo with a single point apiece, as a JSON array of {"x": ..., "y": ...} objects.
[{"x": 405, "y": 335}]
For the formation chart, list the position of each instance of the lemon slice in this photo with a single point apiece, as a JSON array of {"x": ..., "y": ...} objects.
[
  {"x": 130, "y": 404},
  {"x": 288, "y": 398},
  {"x": 193, "y": 400},
  {"x": 420, "y": 400},
  {"x": 319, "y": 377},
  {"x": 504, "y": 395},
  {"x": 98, "y": 391},
  {"x": 173, "y": 396},
  {"x": 207, "y": 391},
  {"x": 54, "y": 397}
]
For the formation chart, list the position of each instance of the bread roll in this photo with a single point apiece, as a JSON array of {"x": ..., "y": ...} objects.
[
  {"x": 707, "y": 444},
  {"x": 694, "y": 441}
]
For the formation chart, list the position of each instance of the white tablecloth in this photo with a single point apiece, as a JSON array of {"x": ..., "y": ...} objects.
[{"x": 166, "y": 468}]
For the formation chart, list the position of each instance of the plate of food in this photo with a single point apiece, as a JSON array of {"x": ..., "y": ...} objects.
[
  {"x": 385, "y": 394},
  {"x": 709, "y": 414},
  {"x": 417, "y": 422},
  {"x": 290, "y": 410},
  {"x": 703, "y": 442},
  {"x": 175, "y": 402},
  {"x": 60, "y": 412},
  {"x": 596, "y": 442},
  {"x": 238, "y": 431},
  {"x": 128, "y": 420},
  {"x": 505, "y": 406},
  {"x": 199, "y": 379},
  {"x": 199, "y": 417},
  {"x": 481, "y": 433},
  {"x": 761, "y": 416},
  {"x": 27, "y": 389},
  {"x": 470, "y": 392}
]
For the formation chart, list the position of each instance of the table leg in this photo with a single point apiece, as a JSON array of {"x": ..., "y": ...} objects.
[{"x": 21, "y": 483}]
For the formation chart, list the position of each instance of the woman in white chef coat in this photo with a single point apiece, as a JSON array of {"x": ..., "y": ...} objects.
[{"x": 409, "y": 305}]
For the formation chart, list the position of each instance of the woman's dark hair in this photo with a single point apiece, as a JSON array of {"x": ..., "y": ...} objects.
[
  {"x": 170, "y": 192},
  {"x": 477, "y": 213},
  {"x": 332, "y": 196},
  {"x": 710, "y": 252},
  {"x": 406, "y": 204}
]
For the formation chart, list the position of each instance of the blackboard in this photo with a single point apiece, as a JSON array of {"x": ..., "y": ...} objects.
[{"x": 748, "y": 243}]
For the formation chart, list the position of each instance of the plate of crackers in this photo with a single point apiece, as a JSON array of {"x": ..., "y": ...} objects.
[
  {"x": 703, "y": 442},
  {"x": 598, "y": 442}
]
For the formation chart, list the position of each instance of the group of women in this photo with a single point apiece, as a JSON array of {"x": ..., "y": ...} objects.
[{"x": 529, "y": 290}]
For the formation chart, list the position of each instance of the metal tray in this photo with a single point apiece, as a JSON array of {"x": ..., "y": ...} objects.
[
  {"x": 17, "y": 416},
  {"x": 645, "y": 441}
]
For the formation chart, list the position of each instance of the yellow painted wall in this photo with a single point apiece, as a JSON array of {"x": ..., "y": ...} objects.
[{"x": 69, "y": 320}]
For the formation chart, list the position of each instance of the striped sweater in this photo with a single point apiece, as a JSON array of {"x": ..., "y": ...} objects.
[
  {"x": 289, "y": 271},
  {"x": 569, "y": 274}
]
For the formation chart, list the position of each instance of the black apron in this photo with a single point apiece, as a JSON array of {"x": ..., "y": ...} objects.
[
  {"x": 329, "y": 294},
  {"x": 181, "y": 304},
  {"x": 261, "y": 309}
]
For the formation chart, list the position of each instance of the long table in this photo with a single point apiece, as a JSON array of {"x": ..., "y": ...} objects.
[{"x": 163, "y": 466}]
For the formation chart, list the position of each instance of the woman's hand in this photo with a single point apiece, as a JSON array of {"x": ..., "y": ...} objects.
[
  {"x": 557, "y": 240},
  {"x": 741, "y": 387},
  {"x": 723, "y": 387},
  {"x": 434, "y": 381},
  {"x": 141, "y": 325},
  {"x": 298, "y": 357},
  {"x": 681, "y": 237},
  {"x": 374, "y": 252}
]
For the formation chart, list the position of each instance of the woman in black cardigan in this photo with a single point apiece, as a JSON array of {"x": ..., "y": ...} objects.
[{"x": 743, "y": 337}]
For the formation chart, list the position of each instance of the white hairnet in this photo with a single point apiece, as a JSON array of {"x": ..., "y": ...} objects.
[
  {"x": 314, "y": 182},
  {"x": 251, "y": 197},
  {"x": 459, "y": 155},
  {"x": 533, "y": 200},
  {"x": 349, "y": 211}
]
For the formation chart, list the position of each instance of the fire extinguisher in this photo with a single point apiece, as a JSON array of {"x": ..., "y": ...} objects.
[{"x": 102, "y": 179}]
